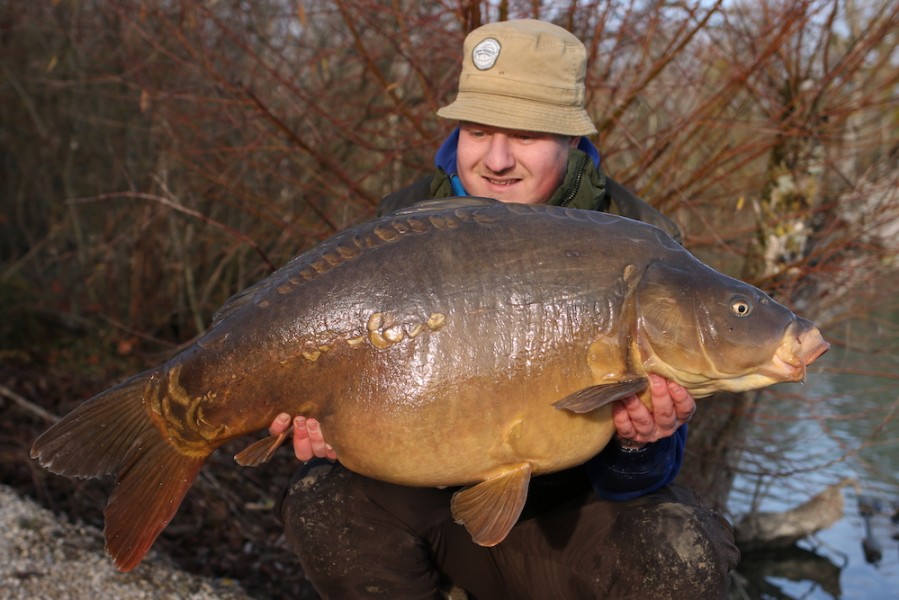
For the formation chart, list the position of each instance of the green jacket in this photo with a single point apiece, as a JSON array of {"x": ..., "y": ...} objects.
[{"x": 585, "y": 186}]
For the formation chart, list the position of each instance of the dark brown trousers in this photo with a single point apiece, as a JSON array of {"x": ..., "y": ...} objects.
[{"x": 361, "y": 538}]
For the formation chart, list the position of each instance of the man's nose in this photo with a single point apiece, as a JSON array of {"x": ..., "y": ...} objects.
[{"x": 499, "y": 155}]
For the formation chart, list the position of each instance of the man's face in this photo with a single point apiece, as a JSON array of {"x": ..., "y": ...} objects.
[{"x": 511, "y": 165}]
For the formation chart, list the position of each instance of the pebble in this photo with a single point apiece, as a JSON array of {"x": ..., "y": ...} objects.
[{"x": 43, "y": 557}]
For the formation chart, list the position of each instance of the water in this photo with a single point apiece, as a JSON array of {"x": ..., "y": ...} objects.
[{"x": 843, "y": 423}]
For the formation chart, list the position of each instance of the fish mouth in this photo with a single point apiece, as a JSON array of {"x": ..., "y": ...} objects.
[{"x": 797, "y": 352}]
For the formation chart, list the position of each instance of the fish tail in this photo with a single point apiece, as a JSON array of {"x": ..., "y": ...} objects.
[{"x": 113, "y": 434}]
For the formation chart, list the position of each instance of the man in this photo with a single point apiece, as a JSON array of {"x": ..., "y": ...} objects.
[{"x": 614, "y": 527}]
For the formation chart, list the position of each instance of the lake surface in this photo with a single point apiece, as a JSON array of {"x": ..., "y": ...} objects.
[{"x": 844, "y": 422}]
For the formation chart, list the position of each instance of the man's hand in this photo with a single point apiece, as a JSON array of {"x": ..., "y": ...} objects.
[
  {"x": 672, "y": 406},
  {"x": 308, "y": 440}
]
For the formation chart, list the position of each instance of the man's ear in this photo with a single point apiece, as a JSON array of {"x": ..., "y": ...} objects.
[{"x": 575, "y": 140}]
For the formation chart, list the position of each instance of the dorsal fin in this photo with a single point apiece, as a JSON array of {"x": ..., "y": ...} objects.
[
  {"x": 347, "y": 239},
  {"x": 238, "y": 300},
  {"x": 438, "y": 204},
  {"x": 341, "y": 248}
]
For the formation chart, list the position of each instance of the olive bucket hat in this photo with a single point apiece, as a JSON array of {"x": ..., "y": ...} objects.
[{"x": 523, "y": 74}]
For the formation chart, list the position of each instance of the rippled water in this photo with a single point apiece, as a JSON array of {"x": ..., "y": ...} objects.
[{"x": 844, "y": 422}]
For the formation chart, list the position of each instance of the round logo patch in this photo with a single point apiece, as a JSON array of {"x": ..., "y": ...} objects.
[{"x": 484, "y": 55}]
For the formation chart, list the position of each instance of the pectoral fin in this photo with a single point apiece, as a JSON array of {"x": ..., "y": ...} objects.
[
  {"x": 489, "y": 509},
  {"x": 261, "y": 451},
  {"x": 591, "y": 398}
]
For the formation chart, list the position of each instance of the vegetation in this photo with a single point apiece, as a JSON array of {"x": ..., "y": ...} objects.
[{"x": 157, "y": 157}]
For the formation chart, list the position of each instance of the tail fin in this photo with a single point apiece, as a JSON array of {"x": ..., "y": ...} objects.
[{"x": 113, "y": 434}]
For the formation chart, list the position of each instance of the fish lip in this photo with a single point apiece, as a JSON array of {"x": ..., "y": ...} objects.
[
  {"x": 781, "y": 369},
  {"x": 811, "y": 345},
  {"x": 797, "y": 351},
  {"x": 823, "y": 347}
]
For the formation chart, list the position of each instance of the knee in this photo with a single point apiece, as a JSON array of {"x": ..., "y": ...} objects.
[
  {"x": 329, "y": 509},
  {"x": 688, "y": 550},
  {"x": 317, "y": 505},
  {"x": 339, "y": 524},
  {"x": 325, "y": 529}
]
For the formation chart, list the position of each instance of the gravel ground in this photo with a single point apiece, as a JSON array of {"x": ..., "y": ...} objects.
[{"x": 42, "y": 557}]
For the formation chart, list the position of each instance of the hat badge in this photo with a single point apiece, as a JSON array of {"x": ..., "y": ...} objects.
[{"x": 484, "y": 55}]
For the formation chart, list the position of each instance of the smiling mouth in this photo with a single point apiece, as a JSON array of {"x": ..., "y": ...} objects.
[{"x": 500, "y": 182}]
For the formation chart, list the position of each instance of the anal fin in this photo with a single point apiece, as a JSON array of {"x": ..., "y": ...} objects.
[
  {"x": 490, "y": 509},
  {"x": 595, "y": 396},
  {"x": 261, "y": 451}
]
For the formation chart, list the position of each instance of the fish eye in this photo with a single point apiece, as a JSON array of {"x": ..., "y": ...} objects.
[{"x": 740, "y": 306}]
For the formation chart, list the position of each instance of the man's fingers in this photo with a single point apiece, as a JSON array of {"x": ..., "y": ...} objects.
[
  {"x": 330, "y": 453},
  {"x": 635, "y": 421},
  {"x": 684, "y": 404},
  {"x": 317, "y": 438},
  {"x": 663, "y": 409},
  {"x": 302, "y": 446},
  {"x": 622, "y": 421},
  {"x": 672, "y": 405},
  {"x": 309, "y": 440},
  {"x": 279, "y": 425}
]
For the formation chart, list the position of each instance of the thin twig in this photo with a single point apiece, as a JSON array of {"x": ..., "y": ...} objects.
[
  {"x": 28, "y": 405},
  {"x": 185, "y": 210}
]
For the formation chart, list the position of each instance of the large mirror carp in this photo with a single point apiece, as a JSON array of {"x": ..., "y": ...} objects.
[{"x": 462, "y": 342}]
